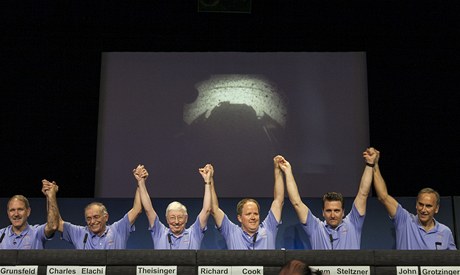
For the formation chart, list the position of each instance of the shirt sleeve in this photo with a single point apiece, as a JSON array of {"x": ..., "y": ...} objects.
[
  {"x": 72, "y": 233},
  {"x": 123, "y": 226},
  {"x": 402, "y": 216},
  {"x": 270, "y": 222},
  {"x": 226, "y": 227},
  {"x": 196, "y": 231},
  {"x": 312, "y": 223},
  {"x": 157, "y": 229},
  {"x": 40, "y": 229},
  {"x": 451, "y": 241},
  {"x": 355, "y": 218}
]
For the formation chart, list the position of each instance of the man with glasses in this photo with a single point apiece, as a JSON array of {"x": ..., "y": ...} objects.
[
  {"x": 176, "y": 236},
  {"x": 97, "y": 234}
]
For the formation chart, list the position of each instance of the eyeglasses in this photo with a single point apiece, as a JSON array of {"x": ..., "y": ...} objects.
[{"x": 176, "y": 218}]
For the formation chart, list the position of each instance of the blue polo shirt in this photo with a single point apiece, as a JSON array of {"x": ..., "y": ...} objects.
[
  {"x": 346, "y": 235},
  {"x": 189, "y": 239},
  {"x": 410, "y": 234},
  {"x": 237, "y": 239},
  {"x": 115, "y": 236},
  {"x": 33, "y": 237}
]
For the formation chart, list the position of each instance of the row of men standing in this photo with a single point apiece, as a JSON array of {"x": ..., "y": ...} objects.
[{"x": 337, "y": 231}]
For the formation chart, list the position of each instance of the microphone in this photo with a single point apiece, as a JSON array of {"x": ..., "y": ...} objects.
[
  {"x": 332, "y": 241},
  {"x": 84, "y": 240},
  {"x": 3, "y": 236},
  {"x": 169, "y": 240},
  {"x": 436, "y": 244},
  {"x": 254, "y": 239}
]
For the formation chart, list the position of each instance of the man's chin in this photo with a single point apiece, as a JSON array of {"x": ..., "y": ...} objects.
[
  {"x": 424, "y": 219},
  {"x": 253, "y": 229},
  {"x": 95, "y": 230},
  {"x": 177, "y": 229},
  {"x": 17, "y": 223}
]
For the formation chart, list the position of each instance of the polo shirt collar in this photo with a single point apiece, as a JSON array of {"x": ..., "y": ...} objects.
[
  {"x": 24, "y": 232},
  {"x": 185, "y": 232},
  {"x": 434, "y": 229},
  {"x": 102, "y": 235},
  {"x": 329, "y": 228}
]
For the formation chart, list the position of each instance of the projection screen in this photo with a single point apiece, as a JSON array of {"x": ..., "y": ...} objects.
[{"x": 175, "y": 112}]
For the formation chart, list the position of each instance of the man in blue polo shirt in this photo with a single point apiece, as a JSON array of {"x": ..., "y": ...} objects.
[
  {"x": 97, "y": 234},
  {"x": 415, "y": 232},
  {"x": 336, "y": 231},
  {"x": 176, "y": 236},
  {"x": 252, "y": 234},
  {"x": 21, "y": 235}
]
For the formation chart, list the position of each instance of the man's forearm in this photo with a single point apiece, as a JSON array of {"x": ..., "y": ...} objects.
[{"x": 53, "y": 216}]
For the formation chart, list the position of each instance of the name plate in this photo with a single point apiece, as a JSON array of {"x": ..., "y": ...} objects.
[
  {"x": 75, "y": 270},
  {"x": 156, "y": 269},
  {"x": 440, "y": 270},
  {"x": 240, "y": 270},
  {"x": 205, "y": 270},
  {"x": 19, "y": 269},
  {"x": 348, "y": 270},
  {"x": 231, "y": 270},
  {"x": 407, "y": 270}
]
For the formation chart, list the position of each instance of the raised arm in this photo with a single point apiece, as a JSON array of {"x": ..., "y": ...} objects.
[
  {"x": 49, "y": 189},
  {"x": 278, "y": 189},
  {"x": 366, "y": 181},
  {"x": 134, "y": 212},
  {"x": 381, "y": 189},
  {"x": 141, "y": 175},
  {"x": 300, "y": 208},
  {"x": 216, "y": 212},
  {"x": 207, "y": 173}
]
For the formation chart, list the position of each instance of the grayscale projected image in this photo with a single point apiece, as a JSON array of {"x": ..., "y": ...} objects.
[{"x": 175, "y": 112}]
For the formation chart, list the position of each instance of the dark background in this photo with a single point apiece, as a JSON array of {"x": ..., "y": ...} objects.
[{"x": 50, "y": 67}]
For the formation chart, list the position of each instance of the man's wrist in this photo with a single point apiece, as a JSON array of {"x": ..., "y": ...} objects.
[
  {"x": 370, "y": 164},
  {"x": 207, "y": 183}
]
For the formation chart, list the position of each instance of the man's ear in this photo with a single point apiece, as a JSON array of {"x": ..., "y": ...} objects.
[{"x": 239, "y": 218}]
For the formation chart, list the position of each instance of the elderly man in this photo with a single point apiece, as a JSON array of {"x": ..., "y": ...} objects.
[
  {"x": 418, "y": 232},
  {"x": 21, "y": 235},
  {"x": 97, "y": 234},
  {"x": 252, "y": 234},
  {"x": 176, "y": 236},
  {"x": 337, "y": 231}
]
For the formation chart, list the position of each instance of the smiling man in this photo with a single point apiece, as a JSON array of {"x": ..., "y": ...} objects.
[
  {"x": 336, "y": 231},
  {"x": 98, "y": 234},
  {"x": 418, "y": 232},
  {"x": 252, "y": 234},
  {"x": 21, "y": 235},
  {"x": 176, "y": 235}
]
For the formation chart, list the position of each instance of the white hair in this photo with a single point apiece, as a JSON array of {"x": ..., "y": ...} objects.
[{"x": 175, "y": 205}]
